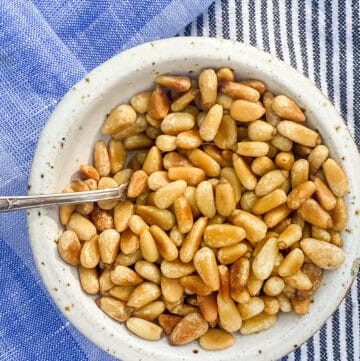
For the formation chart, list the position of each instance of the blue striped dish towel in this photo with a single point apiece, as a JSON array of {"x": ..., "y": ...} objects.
[{"x": 47, "y": 46}]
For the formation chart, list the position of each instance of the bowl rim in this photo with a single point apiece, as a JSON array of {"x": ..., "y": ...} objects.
[{"x": 155, "y": 51}]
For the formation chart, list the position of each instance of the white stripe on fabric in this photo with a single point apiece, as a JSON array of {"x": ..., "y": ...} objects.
[{"x": 349, "y": 66}]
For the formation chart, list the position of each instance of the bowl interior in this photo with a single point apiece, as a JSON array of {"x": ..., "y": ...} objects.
[{"x": 67, "y": 142}]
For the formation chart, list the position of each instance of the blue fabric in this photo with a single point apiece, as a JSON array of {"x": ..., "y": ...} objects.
[{"x": 46, "y": 46}]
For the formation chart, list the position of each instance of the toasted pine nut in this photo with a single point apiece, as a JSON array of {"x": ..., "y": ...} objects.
[
  {"x": 229, "y": 316},
  {"x": 205, "y": 265},
  {"x": 229, "y": 174},
  {"x": 189, "y": 139},
  {"x": 153, "y": 215},
  {"x": 173, "y": 159},
  {"x": 168, "y": 322},
  {"x": 192, "y": 240},
  {"x": 165, "y": 245},
  {"x": 165, "y": 196},
  {"x": 254, "y": 284},
  {"x": 129, "y": 242},
  {"x": 281, "y": 143},
  {"x": 239, "y": 91},
  {"x": 273, "y": 286},
  {"x": 315, "y": 275},
  {"x": 138, "y": 184},
  {"x": 208, "y": 88},
  {"x": 324, "y": 195},
  {"x": 183, "y": 214},
  {"x": 144, "y": 329},
  {"x": 284, "y": 160},
  {"x": 284, "y": 303},
  {"x": 153, "y": 161},
  {"x": 335, "y": 177},
  {"x": 141, "y": 102},
  {"x": 69, "y": 247},
  {"x": 205, "y": 199},
  {"x": 299, "y": 172},
  {"x": 264, "y": 261},
  {"x": 222, "y": 235},
  {"x": 320, "y": 234},
  {"x": 83, "y": 228},
  {"x": 225, "y": 201},
  {"x": 116, "y": 309},
  {"x": 89, "y": 172},
  {"x": 188, "y": 329},
  {"x": 229, "y": 254},
  {"x": 89, "y": 280},
  {"x": 211, "y": 123},
  {"x": 148, "y": 246},
  {"x": 289, "y": 236},
  {"x": 254, "y": 83},
  {"x": 270, "y": 181},
  {"x": 128, "y": 259},
  {"x": 225, "y": 137},
  {"x": 291, "y": 263},
  {"x": 208, "y": 308},
  {"x": 124, "y": 276},
  {"x": 312, "y": 212},
  {"x": 159, "y": 104},
  {"x": 157, "y": 180},
  {"x": 299, "y": 280},
  {"x": 245, "y": 111},
  {"x": 176, "y": 236},
  {"x": 144, "y": 294},
  {"x": 195, "y": 284},
  {"x": 239, "y": 274},
  {"x": 120, "y": 118},
  {"x": 254, "y": 307},
  {"x": 271, "y": 305},
  {"x": 178, "y": 83},
  {"x": 216, "y": 339},
  {"x": 339, "y": 215},
  {"x": 171, "y": 289},
  {"x": 139, "y": 126},
  {"x": 148, "y": 271},
  {"x": 258, "y": 323},
  {"x": 272, "y": 200},
  {"x": 252, "y": 149},
  {"x": 104, "y": 183},
  {"x": 101, "y": 158},
  {"x": 184, "y": 100},
  {"x": 89, "y": 255},
  {"x": 243, "y": 172},
  {"x": 122, "y": 213},
  {"x": 191, "y": 175},
  {"x": 325, "y": 255},
  {"x": 317, "y": 157},
  {"x": 151, "y": 311},
  {"x": 287, "y": 109},
  {"x": 202, "y": 160},
  {"x": 105, "y": 283},
  {"x": 137, "y": 141},
  {"x": 176, "y": 268},
  {"x": 298, "y": 133},
  {"x": 225, "y": 74},
  {"x": 300, "y": 194},
  {"x": 175, "y": 123},
  {"x": 260, "y": 131}
]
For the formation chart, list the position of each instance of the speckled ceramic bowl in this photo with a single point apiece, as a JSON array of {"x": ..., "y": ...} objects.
[{"x": 68, "y": 139}]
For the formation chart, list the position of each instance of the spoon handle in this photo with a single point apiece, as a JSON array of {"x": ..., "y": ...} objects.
[{"x": 13, "y": 203}]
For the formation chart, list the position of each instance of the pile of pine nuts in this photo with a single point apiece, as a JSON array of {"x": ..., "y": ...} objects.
[{"x": 235, "y": 209}]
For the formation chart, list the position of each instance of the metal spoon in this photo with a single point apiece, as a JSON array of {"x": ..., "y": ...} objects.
[{"x": 13, "y": 203}]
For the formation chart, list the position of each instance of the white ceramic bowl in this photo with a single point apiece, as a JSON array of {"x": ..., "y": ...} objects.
[{"x": 67, "y": 141}]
